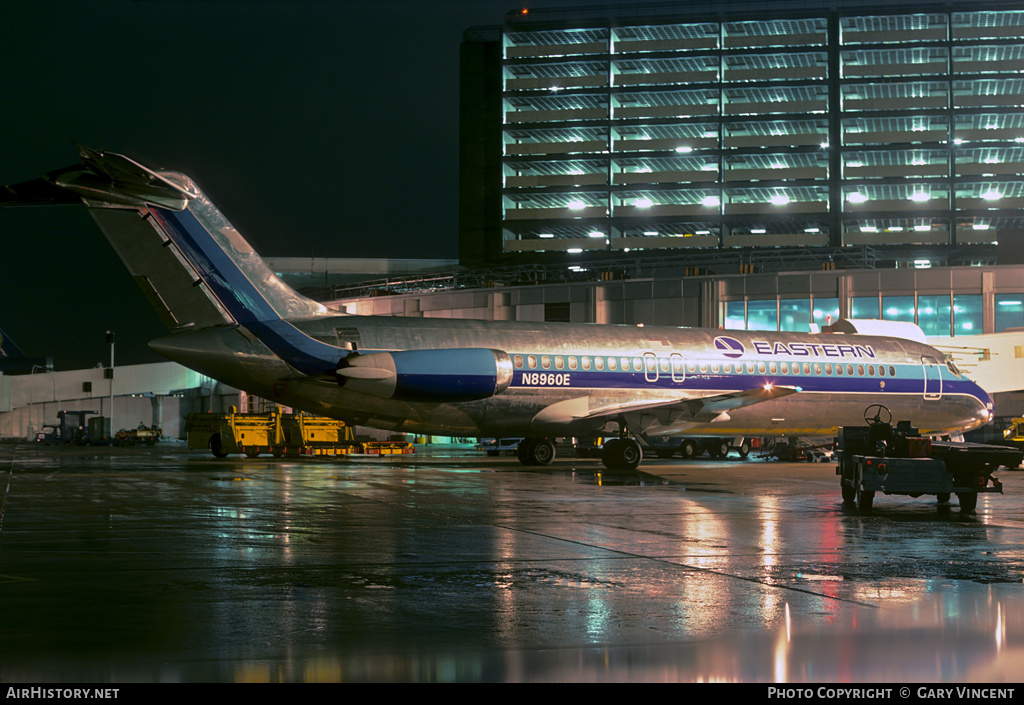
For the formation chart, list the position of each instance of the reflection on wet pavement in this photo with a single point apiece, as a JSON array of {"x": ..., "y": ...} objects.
[{"x": 159, "y": 564}]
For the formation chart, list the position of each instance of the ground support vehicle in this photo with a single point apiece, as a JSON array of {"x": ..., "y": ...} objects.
[
  {"x": 275, "y": 433},
  {"x": 496, "y": 446},
  {"x": 74, "y": 427},
  {"x": 878, "y": 457},
  {"x": 148, "y": 435},
  {"x": 694, "y": 446},
  {"x": 383, "y": 448},
  {"x": 797, "y": 450}
]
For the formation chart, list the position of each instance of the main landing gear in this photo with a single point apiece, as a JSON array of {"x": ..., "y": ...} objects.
[
  {"x": 622, "y": 454},
  {"x": 536, "y": 451},
  {"x": 617, "y": 454}
]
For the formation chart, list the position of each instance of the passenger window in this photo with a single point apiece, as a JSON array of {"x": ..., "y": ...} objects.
[
  {"x": 772, "y": 367},
  {"x": 585, "y": 362},
  {"x": 572, "y": 363},
  {"x": 750, "y": 368},
  {"x": 518, "y": 361},
  {"x": 871, "y": 370},
  {"x": 828, "y": 369},
  {"x": 807, "y": 368},
  {"x": 559, "y": 363},
  {"x": 638, "y": 365},
  {"x": 860, "y": 370},
  {"x": 785, "y": 368},
  {"x": 839, "y": 370},
  {"x": 545, "y": 362},
  {"x": 892, "y": 371},
  {"x": 599, "y": 363},
  {"x": 677, "y": 365},
  {"x": 624, "y": 364},
  {"x": 531, "y": 361},
  {"x": 817, "y": 368},
  {"x": 714, "y": 368},
  {"x": 703, "y": 367},
  {"x": 849, "y": 370},
  {"x": 760, "y": 367},
  {"x": 611, "y": 363},
  {"x": 881, "y": 370}
]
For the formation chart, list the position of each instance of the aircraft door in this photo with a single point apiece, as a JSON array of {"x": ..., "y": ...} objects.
[
  {"x": 932, "y": 378},
  {"x": 650, "y": 367},
  {"x": 678, "y": 368}
]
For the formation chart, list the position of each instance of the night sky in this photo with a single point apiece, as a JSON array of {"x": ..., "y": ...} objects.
[{"x": 325, "y": 129}]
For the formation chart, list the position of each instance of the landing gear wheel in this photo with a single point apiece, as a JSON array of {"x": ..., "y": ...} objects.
[
  {"x": 968, "y": 501},
  {"x": 865, "y": 498},
  {"x": 744, "y": 449},
  {"x": 721, "y": 449},
  {"x": 622, "y": 454},
  {"x": 536, "y": 451},
  {"x": 689, "y": 449},
  {"x": 524, "y": 450},
  {"x": 881, "y": 414},
  {"x": 543, "y": 452}
]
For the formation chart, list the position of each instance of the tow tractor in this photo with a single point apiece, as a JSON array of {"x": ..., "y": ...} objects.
[{"x": 880, "y": 457}]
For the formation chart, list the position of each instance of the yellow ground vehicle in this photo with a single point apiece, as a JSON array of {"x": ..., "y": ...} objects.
[{"x": 275, "y": 433}]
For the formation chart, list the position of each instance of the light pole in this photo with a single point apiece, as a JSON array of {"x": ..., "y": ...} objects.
[{"x": 110, "y": 340}]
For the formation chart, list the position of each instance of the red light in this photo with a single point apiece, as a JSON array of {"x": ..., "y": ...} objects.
[{"x": 525, "y": 11}]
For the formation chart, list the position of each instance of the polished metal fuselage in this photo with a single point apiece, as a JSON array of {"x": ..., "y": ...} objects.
[{"x": 663, "y": 364}]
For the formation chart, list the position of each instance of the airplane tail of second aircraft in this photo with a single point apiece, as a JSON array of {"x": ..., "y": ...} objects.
[{"x": 192, "y": 264}]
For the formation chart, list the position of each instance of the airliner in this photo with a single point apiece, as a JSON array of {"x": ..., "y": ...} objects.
[{"x": 232, "y": 319}]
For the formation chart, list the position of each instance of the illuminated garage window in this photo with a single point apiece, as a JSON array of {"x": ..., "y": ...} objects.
[
  {"x": 898, "y": 308},
  {"x": 967, "y": 314},
  {"x": 864, "y": 307},
  {"x": 735, "y": 315},
  {"x": 933, "y": 315},
  {"x": 825, "y": 312},
  {"x": 763, "y": 315},
  {"x": 795, "y": 315},
  {"x": 1009, "y": 311}
]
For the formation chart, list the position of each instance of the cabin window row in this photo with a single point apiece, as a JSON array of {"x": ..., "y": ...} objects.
[{"x": 676, "y": 366}]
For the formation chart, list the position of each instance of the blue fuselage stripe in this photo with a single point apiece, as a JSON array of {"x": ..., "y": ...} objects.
[
  {"x": 909, "y": 380},
  {"x": 241, "y": 297}
]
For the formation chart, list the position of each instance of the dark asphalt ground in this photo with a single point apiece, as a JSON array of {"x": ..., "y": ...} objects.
[{"x": 120, "y": 565}]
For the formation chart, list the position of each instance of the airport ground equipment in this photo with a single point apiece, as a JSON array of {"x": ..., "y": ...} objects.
[
  {"x": 73, "y": 427},
  {"x": 1014, "y": 435},
  {"x": 275, "y": 433},
  {"x": 496, "y": 446},
  {"x": 694, "y": 446},
  {"x": 142, "y": 434},
  {"x": 879, "y": 457}
]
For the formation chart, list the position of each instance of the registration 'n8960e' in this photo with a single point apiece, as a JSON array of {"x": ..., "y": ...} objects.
[{"x": 545, "y": 379}]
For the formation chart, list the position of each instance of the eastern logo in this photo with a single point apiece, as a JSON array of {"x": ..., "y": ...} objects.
[{"x": 730, "y": 347}]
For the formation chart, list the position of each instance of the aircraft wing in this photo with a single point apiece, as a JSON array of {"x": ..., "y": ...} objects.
[{"x": 663, "y": 416}]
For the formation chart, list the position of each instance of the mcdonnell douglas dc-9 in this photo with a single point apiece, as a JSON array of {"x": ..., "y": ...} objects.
[{"x": 232, "y": 319}]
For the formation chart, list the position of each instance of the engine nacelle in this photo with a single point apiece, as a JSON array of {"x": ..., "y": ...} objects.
[{"x": 453, "y": 374}]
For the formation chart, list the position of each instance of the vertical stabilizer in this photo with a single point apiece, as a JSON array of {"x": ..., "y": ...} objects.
[{"x": 191, "y": 263}]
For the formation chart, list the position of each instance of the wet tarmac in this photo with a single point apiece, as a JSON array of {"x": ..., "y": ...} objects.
[{"x": 120, "y": 565}]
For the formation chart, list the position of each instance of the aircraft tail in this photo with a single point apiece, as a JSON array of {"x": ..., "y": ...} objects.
[
  {"x": 8, "y": 348},
  {"x": 191, "y": 263}
]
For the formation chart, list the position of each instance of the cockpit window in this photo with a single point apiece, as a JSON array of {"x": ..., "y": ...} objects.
[{"x": 953, "y": 368}]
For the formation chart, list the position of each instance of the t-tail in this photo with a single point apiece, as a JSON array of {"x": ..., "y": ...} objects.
[{"x": 191, "y": 263}]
